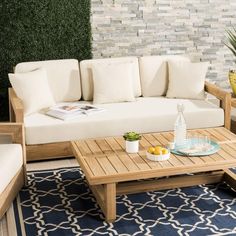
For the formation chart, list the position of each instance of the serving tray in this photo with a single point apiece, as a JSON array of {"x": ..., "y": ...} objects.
[{"x": 214, "y": 148}]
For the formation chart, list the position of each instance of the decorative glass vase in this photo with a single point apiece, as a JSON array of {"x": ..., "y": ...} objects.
[{"x": 232, "y": 80}]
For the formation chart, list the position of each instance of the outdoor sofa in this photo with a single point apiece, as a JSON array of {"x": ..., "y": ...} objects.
[{"x": 152, "y": 111}]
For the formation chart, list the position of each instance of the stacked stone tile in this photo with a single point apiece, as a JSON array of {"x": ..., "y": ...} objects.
[{"x": 156, "y": 27}]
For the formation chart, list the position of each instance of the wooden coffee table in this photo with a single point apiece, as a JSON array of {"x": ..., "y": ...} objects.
[{"x": 111, "y": 171}]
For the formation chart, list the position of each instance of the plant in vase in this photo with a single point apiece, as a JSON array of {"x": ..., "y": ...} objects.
[
  {"x": 231, "y": 44},
  {"x": 132, "y": 142}
]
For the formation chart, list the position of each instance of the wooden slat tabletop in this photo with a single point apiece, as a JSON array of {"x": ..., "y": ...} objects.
[{"x": 104, "y": 160}]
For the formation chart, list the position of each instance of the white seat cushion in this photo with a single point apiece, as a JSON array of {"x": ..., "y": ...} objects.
[
  {"x": 151, "y": 114},
  {"x": 63, "y": 77},
  {"x": 154, "y": 73},
  {"x": 11, "y": 160},
  {"x": 87, "y": 77}
]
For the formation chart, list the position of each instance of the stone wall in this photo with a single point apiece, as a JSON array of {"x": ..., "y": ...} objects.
[{"x": 155, "y": 27}]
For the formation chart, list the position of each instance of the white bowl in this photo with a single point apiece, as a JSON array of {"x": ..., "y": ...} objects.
[{"x": 153, "y": 157}]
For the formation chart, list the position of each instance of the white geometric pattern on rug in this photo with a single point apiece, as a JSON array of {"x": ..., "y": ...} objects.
[{"x": 59, "y": 202}]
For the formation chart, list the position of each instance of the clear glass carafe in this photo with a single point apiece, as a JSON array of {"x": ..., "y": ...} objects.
[{"x": 180, "y": 128}]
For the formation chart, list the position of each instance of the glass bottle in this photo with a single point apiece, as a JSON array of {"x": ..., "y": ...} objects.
[{"x": 180, "y": 128}]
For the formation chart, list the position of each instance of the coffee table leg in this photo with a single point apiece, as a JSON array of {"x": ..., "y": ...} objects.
[
  {"x": 230, "y": 178},
  {"x": 110, "y": 201}
]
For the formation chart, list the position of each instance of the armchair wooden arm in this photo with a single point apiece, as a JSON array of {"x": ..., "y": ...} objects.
[
  {"x": 16, "y": 108},
  {"x": 225, "y": 101}
]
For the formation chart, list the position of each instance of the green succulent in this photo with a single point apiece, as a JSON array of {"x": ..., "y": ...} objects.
[
  {"x": 231, "y": 44},
  {"x": 131, "y": 136}
]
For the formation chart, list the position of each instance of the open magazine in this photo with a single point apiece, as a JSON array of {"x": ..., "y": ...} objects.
[{"x": 70, "y": 110}]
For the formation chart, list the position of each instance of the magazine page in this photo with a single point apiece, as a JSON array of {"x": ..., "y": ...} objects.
[
  {"x": 67, "y": 107},
  {"x": 90, "y": 109},
  {"x": 62, "y": 116}
]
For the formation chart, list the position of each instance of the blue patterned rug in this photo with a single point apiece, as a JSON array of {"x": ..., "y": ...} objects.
[{"x": 59, "y": 203}]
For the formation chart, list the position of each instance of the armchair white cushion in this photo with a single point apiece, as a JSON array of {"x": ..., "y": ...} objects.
[
  {"x": 11, "y": 161},
  {"x": 12, "y": 164},
  {"x": 63, "y": 77}
]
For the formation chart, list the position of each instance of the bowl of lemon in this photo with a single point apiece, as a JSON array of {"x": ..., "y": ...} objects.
[{"x": 158, "y": 153}]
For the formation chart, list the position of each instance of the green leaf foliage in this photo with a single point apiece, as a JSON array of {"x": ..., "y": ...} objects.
[
  {"x": 32, "y": 30},
  {"x": 131, "y": 136},
  {"x": 231, "y": 44}
]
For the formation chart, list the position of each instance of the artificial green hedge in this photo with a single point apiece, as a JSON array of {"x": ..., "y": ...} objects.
[{"x": 32, "y": 30}]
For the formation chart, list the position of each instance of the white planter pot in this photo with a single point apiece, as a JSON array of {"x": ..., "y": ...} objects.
[{"x": 132, "y": 146}]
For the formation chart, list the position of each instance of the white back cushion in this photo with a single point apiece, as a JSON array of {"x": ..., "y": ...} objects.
[
  {"x": 63, "y": 77},
  {"x": 87, "y": 76},
  {"x": 154, "y": 73}
]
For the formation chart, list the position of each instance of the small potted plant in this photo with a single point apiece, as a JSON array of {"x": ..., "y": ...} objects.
[
  {"x": 132, "y": 142},
  {"x": 231, "y": 44}
]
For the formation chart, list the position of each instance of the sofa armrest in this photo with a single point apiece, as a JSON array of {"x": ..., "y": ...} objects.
[
  {"x": 16, "y": 131},
  {"x": 16, "y": 108},
  {"x": 225, "y": 101}
]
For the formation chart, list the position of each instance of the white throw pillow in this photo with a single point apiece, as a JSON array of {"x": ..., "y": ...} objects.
[
  {"x": 63, "y": 77},
  {"x": 154, "y": 73},
  {"x": 113, "y": 83},
  {"x": 87, "y": 74},
  {"x": 186, "y": 79},
  {"x": 33, "y": 89}
]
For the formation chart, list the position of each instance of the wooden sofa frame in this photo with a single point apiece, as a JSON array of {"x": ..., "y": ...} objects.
[
  {"x": 16, "y": 131},
  {"x": 63, "y": 149}
]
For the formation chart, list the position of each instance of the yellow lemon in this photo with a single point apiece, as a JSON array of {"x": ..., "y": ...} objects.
[
  {"x": 164, "y": 151},
  {"x": 158, "y": 148},
  {"x": 157, "y": 152},
  {"x": 151, "y": 150}
]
